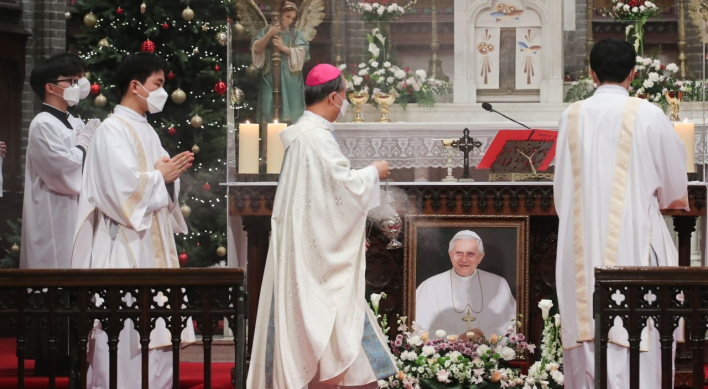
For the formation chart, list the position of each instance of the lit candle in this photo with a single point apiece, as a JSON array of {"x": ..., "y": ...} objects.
[
  {"x": 685, "y": 131},
  {"x": 248, "y": 148},
  {"x": 276, "y": 151}
]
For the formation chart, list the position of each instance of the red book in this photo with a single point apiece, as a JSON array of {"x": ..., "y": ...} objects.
[{"x": 504, "y": 136}]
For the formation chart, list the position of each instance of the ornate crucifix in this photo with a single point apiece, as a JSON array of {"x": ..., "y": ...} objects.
[
  {"x": 466, "y": 144},
  {"x": 469, "y": 319}
]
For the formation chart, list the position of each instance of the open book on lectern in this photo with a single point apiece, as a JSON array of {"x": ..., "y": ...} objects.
[{"x": 520, "y": 151}]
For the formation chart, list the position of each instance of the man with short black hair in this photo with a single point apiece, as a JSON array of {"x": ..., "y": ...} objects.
[
  {"x": 312, "y": 303},
  {"x": 618, "y": 163},
  {"x": 129, "y": 212},
  {"x": 84, "y": 86}
]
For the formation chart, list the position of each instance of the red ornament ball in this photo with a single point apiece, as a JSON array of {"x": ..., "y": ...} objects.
[
  {"x": 216, "y": 68},
  {"x": 170, "y": 76},
  {"x": 207, "y": 187},
  {"x": 119, "y": 11},
  {"x": 165, "y": 26},
  {"x": 172, "y": 131},
  {"x": 183, "y": 257},
  {"x": 95, "y": 89},
  {"x": 148, "y": 46},
  {"x": 220, "y": 88}
]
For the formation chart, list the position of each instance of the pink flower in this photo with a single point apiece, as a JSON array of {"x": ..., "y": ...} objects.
[{"x": 443, "y": 376}]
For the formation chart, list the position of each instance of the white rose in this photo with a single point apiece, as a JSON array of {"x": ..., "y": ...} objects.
[
  {"x": 639, "y": 67},
  {"x": 557, "y": 319},
  {"x": 375, "y": 5},
  {"x": 391, "y": 8},
  {"x": 416, "y": 87},
  {"x": 657, "y": 63},
  {"x": 342, "y": 66},
  {"x": 410, "y": 81},
  {"x": 421, "y": 73},
  {"x": 374, "y": 50},
  {"x": 368, "y": 8},
  {"x": 399, "y": 74},
  {"x": 350, "y": 86},
  {"x": 415, "y": 340},
  {"x": 635, "y": 9},
  {"x": 455, "y": 356},
  {"x": 557, "y": 376},
  {"x": 619, "y": 4},
  {"x": 657, "y": 97},
  {"x": 649, "y": 4},
  {"x": 654, "y": 76},
  {"x": 507, "y": 353},
  {"x": 642, "y": 8},
  {"x": 357, "y": 80},
  {"x": 381, "y": 11},
  {"x": 626, "y": 7},
  {"x": 363, "y": 72},
  {"x": 672, "y": 68},
  {"x": 375, "y": 64},
  {"x": 545, "y": 306},
  {"x": 427, "y": 351},
  {"x": 390, "y": 80},
  {"x": 362, "y": 65},
  {"x": 682, "y": 89},
  {"x": 482, "y": 349},
  {"x": 639, "y": 59},
  {"x": 647, "y": 61},
  {"x": 387, "y": 64},
  {"x": 440, "y": 333}
]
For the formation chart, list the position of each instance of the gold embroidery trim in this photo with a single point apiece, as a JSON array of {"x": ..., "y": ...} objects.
[
  {"x": 139, "y": 192},
  {"x": 157, "y": 248},
  {"x": 619, "y": 184},
  {"x": 584, "y": 332}
]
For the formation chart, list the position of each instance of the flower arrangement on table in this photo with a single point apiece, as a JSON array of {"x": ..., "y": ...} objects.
[
  {"x": 637, "y": 11},
  {"x": 379, "y": 10},
  {"x": 654, "y": 80},
  {"x": 445, "y": 361}
]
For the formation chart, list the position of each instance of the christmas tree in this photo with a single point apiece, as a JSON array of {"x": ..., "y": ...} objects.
[{"x": 193, "y": 42}]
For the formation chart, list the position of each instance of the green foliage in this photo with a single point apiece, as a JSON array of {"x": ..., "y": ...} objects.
[
  {"x": 11, "y": 260},
  {"x": 581, "y": 90},
  {"x": 194, "y": 73}
]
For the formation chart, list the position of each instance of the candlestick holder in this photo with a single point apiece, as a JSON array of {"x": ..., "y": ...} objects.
[{"x": 450, "y": 152}]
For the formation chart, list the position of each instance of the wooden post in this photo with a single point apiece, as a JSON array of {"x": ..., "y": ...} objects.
[
  {"x": 684, "y": 227},
  {"x": 258, "y": 230}
]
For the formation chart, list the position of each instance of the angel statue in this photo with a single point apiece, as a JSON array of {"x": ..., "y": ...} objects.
[{"x": 276, "y": 43}]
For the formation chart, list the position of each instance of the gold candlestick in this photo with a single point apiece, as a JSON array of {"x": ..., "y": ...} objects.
[
  {"x": 589, "y": 43},
  {"x": 435, "y": 63},
  {"x": 682, "y": 39},
  {"x": 337, "y": 33}
]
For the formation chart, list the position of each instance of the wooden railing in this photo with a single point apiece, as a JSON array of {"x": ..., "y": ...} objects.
[
  {"x": 205, "y": 295},
  {"x": 666, "y": 295}
]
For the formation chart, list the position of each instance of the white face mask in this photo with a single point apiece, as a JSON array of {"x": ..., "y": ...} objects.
[
  {"x": 343, "y": 108},
  {"x": 85, "y": 86},
  {"x": 71, "y": 94},
  {"x": 156, "y": 99}
]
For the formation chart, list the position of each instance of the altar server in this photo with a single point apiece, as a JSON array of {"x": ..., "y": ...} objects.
[
  {"x": 314, "y": 328},
  {"x": 128, "y": 213},
  {"x": 84, "y": 87},
  {"x": 54, "y": 158},
  {"x": 619, "y": 163},
  {"x": 465, "y": 298}
]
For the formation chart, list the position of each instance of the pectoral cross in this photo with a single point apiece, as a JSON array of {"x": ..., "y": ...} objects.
[{"x": 469, "y": 319}]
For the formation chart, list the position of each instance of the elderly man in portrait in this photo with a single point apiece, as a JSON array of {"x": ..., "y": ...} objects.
[{"x": 465, "y": 298}]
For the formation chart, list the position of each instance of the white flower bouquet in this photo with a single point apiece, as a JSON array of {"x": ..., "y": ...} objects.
[
  {"x": 379, "y": 10},
  {"x": 653, "y": 80},
  {"x": 633, "y": 10}
]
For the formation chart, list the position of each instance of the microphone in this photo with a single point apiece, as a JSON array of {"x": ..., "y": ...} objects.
[{"x": 489, "y": 108}]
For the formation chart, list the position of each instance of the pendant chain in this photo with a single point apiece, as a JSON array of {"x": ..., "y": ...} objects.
[{"x": 452, "y": 294}]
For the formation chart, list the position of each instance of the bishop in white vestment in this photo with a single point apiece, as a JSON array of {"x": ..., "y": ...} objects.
[
  {"x": 619, "y": 162},
  {"x": 128, "y": 216},
  {"x": 314, "y": 328},
  {"x": 465, "y": 298}
]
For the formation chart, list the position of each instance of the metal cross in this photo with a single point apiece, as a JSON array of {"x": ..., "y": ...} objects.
[
  {"x": 469, "y": 319},
  {"x": 466, "y": 144}
]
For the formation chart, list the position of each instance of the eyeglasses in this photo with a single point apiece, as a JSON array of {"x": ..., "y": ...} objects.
[{"x": 71, "y": 81}]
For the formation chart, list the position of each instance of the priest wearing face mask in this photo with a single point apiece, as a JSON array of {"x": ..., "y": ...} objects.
[
  {"x": 129, "y": 212},
  {"x": 465, "y": 299},
  {"x": 54, "y": 158},
  {"x": 314, "y": 328}
]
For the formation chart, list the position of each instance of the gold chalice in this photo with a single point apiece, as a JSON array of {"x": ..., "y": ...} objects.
[
  {"x": 385, "y": 100},
  {"x": 450, "y": 152},
  {"x": 358, "y": 98}
]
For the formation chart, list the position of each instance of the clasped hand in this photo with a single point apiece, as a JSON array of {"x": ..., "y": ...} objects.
[{"x": 172, "y": 168}]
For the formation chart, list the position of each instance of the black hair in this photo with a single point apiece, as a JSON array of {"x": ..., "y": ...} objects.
[
  {"x": 315, "y": 94},
  {"x": 48, "y": 72},
  {"x": 80, "y": 64},
  {"x": 139, "y": 67},
  {"x": 612, "y": 60}
]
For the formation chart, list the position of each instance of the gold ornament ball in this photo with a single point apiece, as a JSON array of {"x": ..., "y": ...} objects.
[
  {"x": 237, "y": 96},
  {"x": 195, "y": 149},
  {"x": 90, "y": 20},
  {"x": 143, "y": 7},
  {"x": 196, "y": 121},
  {"x": 221, "y": 37},
  {"x": 87, "y": 75},
  {"x": 67, "y": 15},
  {"x": 188, "y": 14},
  {"x": 104, "y": 43},
  {"x": 15, "y": 248},
  {"x": 221, "y": 251},
  {"x": 186, "y": 211},
  {"x": 239, "y": 29},
  {"x": 178, "y": 96},
  {"x": 252, "y": 71},
  {"x": 100, "y": 101}
]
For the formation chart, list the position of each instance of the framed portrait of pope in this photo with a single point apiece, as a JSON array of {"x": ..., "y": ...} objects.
[{"x": 467, "y": 275}]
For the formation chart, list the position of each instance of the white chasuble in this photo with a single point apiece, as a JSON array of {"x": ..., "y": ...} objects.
[
  {"x": 313, "y": 322},
  {"x": 618, "y": 163},
  {"x": 52, "y": 186},
  {"x": 444, "y": 301},
  {"x": 127, "y": 219}
]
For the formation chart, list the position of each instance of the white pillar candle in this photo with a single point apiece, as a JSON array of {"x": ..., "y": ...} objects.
[
  {"x": 276, "y": 151},
  {"x": 685, "y": 132},
  {"x": 248, "y": 148}
]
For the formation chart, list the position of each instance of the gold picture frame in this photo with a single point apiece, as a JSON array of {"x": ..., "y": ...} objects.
[{"x": 419, "y": 227}]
